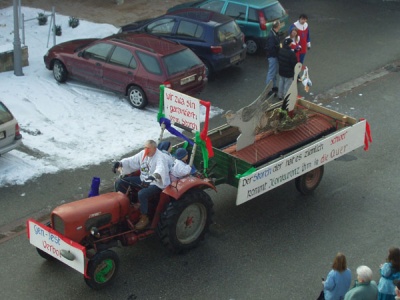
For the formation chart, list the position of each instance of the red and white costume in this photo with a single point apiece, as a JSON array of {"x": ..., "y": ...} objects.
[{"x": 304, "y": 35}]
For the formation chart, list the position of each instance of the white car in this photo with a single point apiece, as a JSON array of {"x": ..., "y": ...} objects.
[{"x": 10, "y": 136}]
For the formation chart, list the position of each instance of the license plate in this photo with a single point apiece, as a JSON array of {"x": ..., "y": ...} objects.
[
  {"x": 234, "y": 59},
  {"x": 2, "y": 135},
  {"x": 188, "y": 79}
]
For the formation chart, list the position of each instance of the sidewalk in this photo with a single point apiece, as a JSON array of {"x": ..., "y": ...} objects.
[{"x": 102, "y": 11}]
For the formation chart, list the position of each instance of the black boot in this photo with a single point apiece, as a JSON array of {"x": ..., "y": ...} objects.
[{"x": 273, "y": 91}]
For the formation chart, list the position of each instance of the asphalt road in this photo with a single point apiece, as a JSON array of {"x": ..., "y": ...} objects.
[{"x": 276, "y": 246}]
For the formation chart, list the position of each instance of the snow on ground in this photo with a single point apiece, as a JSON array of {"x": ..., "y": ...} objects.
[{"x": 70, "y": 125}]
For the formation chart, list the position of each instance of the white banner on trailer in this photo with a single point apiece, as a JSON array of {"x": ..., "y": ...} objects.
[
  {"x": 301, "y": 162},
  {"x": 182, "y": 109}
]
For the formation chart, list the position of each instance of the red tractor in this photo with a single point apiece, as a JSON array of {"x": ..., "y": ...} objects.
[
  {"x": 92, "y": 226},
  {"x": 82, "y": 233}
]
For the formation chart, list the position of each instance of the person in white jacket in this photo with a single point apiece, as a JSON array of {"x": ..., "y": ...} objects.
[
  {"x": 180, "y": 167},
  {"x": 154, "y": 176}
]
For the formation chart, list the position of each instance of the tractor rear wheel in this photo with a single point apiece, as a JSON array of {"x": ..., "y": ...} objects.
[
  {"x": 102, "y": 269},
  {"x": 184, "y": 223},
  {"x": 308, "y": 182}
]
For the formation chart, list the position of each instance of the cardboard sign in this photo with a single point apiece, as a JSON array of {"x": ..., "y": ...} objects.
[
  {"x": 53, "y": 243},
  {"x": 301, "y": 162},
  {"x": 182, "y": 109}
]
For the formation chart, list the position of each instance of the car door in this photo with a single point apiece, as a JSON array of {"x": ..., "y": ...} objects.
[
  {"x": 120, "y": 70},
  {"x": 89, "y": 66}
]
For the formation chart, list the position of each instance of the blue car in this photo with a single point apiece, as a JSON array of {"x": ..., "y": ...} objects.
[
  {"x": 215, "y": 38},
  {"x": 255, "y": 17}
]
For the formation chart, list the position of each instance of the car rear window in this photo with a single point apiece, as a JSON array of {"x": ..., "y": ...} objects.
[
  {"x": 150, "y": 63},
  {"x": 273, "y": 12},
  {"x": 181, "y": 61},
  {"x": 5, "y": 115},
  {"x": 189, "y": 29},
  {"x": 236, "y": 11},
  {"x": 228, "y": 31}
]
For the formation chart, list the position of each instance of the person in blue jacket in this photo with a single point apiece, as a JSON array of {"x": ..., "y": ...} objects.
[
  {"x": 338, "y": 281},
  {"x": 389, "y": 272}
]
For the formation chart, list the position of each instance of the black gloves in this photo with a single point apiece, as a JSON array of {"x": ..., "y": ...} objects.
[
  {"x": 150, "y": 178},
  {"x": 116, "y": 166},
  {"x": 147, "y": 181}
]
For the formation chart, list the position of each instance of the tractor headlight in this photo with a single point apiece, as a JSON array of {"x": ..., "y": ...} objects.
[{"x": 95, "y": 232}]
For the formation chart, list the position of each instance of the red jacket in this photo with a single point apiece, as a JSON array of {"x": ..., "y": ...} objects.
[{"x": 304, "y": 34}]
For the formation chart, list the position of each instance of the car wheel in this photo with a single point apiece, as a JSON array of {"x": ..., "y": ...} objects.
[
  {"x": 209, "y": 69},
  {"x": 252, "y": 47},
  {"x": 59, "y": 71},
  {"x": 136, "y": 97}
]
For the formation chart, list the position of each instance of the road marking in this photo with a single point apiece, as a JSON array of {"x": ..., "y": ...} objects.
[{"x": 350, "y": 85}]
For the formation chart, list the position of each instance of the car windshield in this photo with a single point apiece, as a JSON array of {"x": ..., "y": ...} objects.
[
  {"x": 5, "y": 115},
  {"x": 228, "y": 31},
  {"x": 273, "y": 12},
  {"x": 181, "y": 61}
]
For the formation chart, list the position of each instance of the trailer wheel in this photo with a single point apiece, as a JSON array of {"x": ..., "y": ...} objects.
[
  {"x": 184, "y": 223},
  {"x": 102, "y": 269},
  {"x": 308, "y": 182}
]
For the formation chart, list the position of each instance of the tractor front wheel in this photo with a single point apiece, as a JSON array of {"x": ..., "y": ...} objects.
[
  {"x": 43, "y": 254},
  {"x": 102, "y": 269},
  {"x": 184, "y": 223},
  {"x": 308, "y": 182}
]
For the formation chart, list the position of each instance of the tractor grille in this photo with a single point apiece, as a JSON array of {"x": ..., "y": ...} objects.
[{"x": 58, "y": 224}]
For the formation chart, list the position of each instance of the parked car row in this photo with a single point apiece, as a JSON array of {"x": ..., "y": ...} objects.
[{"x": 180, "y": 49}]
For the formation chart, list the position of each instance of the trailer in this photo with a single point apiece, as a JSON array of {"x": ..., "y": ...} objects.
[
  {"x": 262, "y": 146},
  {"x": 275, "y": 158}
]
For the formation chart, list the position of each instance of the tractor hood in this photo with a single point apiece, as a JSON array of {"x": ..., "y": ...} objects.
[{"x": 74, "y": 220}]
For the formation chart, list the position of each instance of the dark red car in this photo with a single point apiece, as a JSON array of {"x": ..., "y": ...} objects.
[{"x": 129, "y": 63}]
